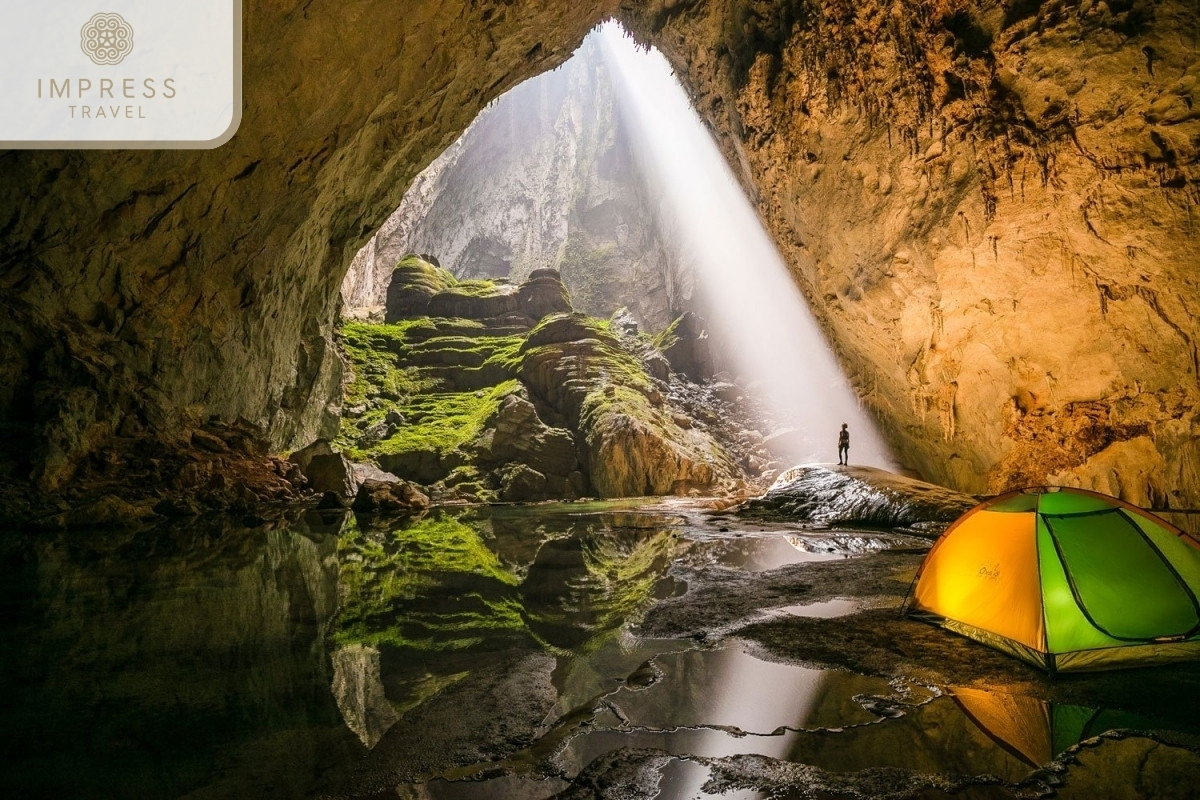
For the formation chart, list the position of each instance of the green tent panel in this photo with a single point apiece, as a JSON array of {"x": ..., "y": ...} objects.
[{"x": 1066, "y": 579}]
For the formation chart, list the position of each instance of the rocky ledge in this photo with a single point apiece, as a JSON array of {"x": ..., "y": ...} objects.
[
  {"x": 831, "y": 495},
  {"x": 140, "y": 480}
]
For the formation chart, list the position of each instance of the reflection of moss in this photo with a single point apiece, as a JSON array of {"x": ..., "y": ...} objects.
[
  {"x": 414, "y": 693},
  {"x": 433, "y": 585},
  {"x": 624, "y": 569},
  {"x": 581, "y": 587}
]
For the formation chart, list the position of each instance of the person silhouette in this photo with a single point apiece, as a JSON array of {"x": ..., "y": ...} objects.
[{"x": 844, "y": 445}]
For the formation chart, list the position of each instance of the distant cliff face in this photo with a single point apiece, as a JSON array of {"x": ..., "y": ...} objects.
[{"x": 544, "y": 178}]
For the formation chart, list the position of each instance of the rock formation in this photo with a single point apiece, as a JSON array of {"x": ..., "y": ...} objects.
[
  {"x": 494, "y": 391},
  {"x": 991, "y": 207},
  {"x": 858, "y": 496},
  {"x": 544, "y": 177}
]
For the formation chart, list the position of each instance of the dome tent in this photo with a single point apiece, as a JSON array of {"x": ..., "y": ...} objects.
[{"x": 1066, "y": 579}]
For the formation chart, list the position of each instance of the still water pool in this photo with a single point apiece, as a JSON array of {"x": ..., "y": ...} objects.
[{"x": 501, "y": 653}]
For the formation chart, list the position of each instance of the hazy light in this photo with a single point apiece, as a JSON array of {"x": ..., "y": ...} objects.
[{"x": 753, "y": 304}]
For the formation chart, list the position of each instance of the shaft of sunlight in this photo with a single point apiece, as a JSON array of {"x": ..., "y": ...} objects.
[{"x": 753, "y": 304}]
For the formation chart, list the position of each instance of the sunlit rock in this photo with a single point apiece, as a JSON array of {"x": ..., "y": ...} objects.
[
  {"x": 982, "y": 206},
  {"x": 835, "y": 495},
  {"x": 633, "y": 445},
  {"x": 545, "y": 177},
  {"x": 991, "y": 211}
]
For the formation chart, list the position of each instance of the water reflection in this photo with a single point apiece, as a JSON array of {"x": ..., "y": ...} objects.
[
  {"x": 468, "y": 653},
  {"x": 186, "y": 660},
  {"x": 476, "y": 582},
  {"x": 710, "y": 705}
]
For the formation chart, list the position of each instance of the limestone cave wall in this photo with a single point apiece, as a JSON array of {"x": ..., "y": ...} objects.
[{"x": 992, "y": 207}]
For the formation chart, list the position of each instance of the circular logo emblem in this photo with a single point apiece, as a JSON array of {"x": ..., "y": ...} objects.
[{"x": 106, "y": 38}]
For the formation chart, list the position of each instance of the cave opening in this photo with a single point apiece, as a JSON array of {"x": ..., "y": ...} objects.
[
  {"x": 993, "y": 209},
  {"x": 594, "y": 190}
]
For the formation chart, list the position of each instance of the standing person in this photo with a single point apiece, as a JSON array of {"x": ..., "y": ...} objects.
[{"x": 844, "y": 445}]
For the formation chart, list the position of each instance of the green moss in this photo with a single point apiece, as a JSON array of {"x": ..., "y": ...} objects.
[
  {"x": 506, "y": 353},
  {"x": 476, "y": 288},
  {"x": 417, "y": 273},
  {"x": 468, "y": 479},
  {"x": 471, "y": 350},
  {"x": 668, "y": 336},
  {"x": 441, "y": 422},
  {"x": 606, "y": 362},
  {"x": 375, "y": 368},
  {"x": 433, "y": 585}
]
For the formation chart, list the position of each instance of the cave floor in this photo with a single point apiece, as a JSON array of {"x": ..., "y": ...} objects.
[{"x": 607, "y": 650}]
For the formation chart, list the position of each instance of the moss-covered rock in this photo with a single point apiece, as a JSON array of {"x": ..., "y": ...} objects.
[
  {"x": 490, "y": 405},
  {"x": 414, "y": 282},
  {"x": 632, "y": 443}
]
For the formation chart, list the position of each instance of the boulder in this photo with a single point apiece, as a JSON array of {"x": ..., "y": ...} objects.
[
  {"x": 519, "y": 435},
  {"x": 634, "y": 455},
  {"x": 423, "y": 466},
  {"x": 657, "y": 366},
  {"x": 686, "y": 348},
  {"x": 413, "y": 283},
  {"x": 304, "y": 455},
  {"x": 623, "y": 322},
  {"x": 331, "y": 473},
  {"x": 864, "y": 496},
  {"x": 382, "y": 497},
  {"x": 519, "y": 483},
  {"x": 376, "y": 433},
  {"x": 542, "y": 294},
  {"x": 370, "y": 472}
]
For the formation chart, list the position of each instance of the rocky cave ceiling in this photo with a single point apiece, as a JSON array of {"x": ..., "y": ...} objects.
[{"x": 992, "y": 208}]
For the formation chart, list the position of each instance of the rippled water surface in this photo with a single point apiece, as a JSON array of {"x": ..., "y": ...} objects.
[{"x": 495, "y": 653}]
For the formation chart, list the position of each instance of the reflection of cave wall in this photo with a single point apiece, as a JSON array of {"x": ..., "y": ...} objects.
[
  {"x": 186, "y": 661},
  {"x": 993, "y": 211}
]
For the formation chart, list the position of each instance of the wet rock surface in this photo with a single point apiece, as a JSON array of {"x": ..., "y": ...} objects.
[
  {"x": 854, "y": 495},
  {"x": 138, "y": 481}
]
